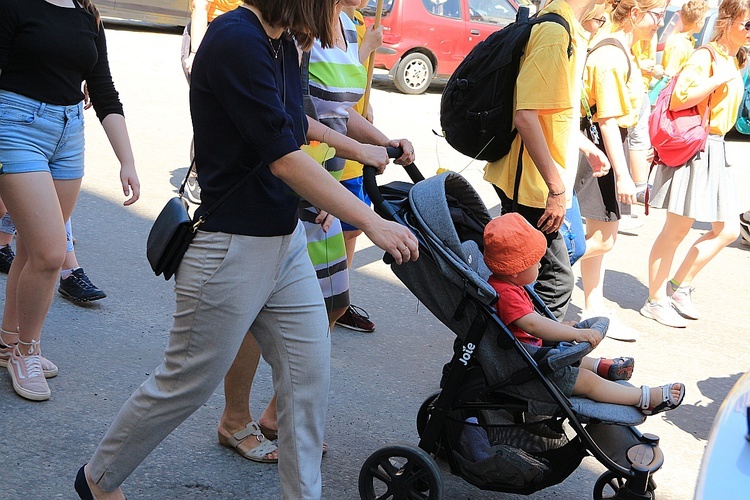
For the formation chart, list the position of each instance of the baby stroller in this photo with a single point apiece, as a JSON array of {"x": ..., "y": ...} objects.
[{"x": 494, "y": 388}]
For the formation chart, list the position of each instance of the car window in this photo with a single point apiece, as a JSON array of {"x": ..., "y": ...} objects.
[
  {"x": 492, "y": 11},
  {"x": 372, "y": 5},
  {"x": 445, "y": 8}
]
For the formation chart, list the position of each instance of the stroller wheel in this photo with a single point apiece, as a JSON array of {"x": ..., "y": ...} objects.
[
  {"x": 613, "y": 486},
  {"x": 400, "y": 471}
]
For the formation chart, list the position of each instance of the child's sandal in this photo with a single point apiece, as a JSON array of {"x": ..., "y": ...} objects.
[{"x": 667, "y": 401}]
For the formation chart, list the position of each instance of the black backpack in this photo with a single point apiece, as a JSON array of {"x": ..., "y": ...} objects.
[{"x": 476, "y": 109}]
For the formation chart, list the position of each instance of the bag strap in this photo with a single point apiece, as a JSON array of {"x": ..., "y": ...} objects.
[{"x": 221, "y": 200}]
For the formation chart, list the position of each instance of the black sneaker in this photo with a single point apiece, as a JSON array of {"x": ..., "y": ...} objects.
[
  {"x": 78, "y": 288},
  {"x": 6, "y": 258}
]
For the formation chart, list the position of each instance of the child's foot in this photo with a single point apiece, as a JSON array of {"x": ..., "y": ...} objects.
[
  {"x": 658, "y": 399},
  {"x": 615, "y": 369}
]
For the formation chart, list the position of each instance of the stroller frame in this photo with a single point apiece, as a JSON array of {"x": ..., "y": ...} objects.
[{"x": 411, "y": 472}]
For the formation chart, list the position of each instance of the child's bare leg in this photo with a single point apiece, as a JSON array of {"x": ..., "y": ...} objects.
[{"x": 590, "y": 385}]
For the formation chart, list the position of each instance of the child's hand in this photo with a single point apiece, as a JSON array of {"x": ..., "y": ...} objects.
[{"x": 588, "y": 335}]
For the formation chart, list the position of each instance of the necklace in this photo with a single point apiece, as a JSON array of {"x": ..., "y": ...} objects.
[{"x": 275, "y": 49}]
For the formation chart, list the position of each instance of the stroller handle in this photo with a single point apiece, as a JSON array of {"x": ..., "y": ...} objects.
[{"x": 382, "y": 207}]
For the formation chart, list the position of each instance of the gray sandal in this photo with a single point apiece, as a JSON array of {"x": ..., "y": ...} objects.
[
  {"x": 667, "y": 401},
  {"x": 257, "y": 453}
]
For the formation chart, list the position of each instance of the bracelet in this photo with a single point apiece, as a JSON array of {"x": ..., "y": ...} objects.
[{"x": 557, "y": 194}]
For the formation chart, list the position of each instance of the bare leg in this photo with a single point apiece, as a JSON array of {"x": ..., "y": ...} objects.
[
  {"x": 600, "y": 238},
  {"x": 675, "y": 229},
  {"x": 706, "y": 248},
  {"x": 39, "y": 206},
  {"x": 238, "y": 383},
  {"x": 594, "y": 387},
  {"x": 350, "y": 241}
]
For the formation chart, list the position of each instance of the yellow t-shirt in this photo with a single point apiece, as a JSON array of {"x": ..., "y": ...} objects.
[
  {"x": 353, "y": 168},
  {"x": 725, "y": 100},
  {"x": 606, "y": 84},
  {"x": 549, "y": 82},
  {"x": 219, "y": 7},
  {"x": 645, "y": 50},
  {"x": 676, "y": 52}
]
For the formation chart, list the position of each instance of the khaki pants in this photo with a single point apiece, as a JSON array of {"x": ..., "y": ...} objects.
[{"x": 227, "y": 284}]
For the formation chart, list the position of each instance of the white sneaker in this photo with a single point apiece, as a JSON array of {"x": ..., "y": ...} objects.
[
  {"x": 28, "y": 377},
  {"x": 629, "y": 223},
  {"x": 664, "y": 313},
  {"x": 681, "y": 300},
  {"x": 617, "y": 329}
]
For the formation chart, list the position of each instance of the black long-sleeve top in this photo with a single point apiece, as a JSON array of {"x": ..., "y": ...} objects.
[
  {"x": 246, "y": 105},
  {"x": 47, "y": 52}
]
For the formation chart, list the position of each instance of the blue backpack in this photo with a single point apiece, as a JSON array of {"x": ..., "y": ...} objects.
[{"x": 743, "y": 117}]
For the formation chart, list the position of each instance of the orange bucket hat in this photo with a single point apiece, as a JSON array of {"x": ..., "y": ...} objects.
[{"x": 512, "y": 245}]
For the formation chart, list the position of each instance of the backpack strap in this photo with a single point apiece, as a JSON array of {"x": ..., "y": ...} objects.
[
  {"x": 555, "y": 18},
  {"x": 615, "y": 43}
]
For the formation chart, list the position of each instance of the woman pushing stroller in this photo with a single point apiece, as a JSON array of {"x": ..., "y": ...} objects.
[{"x": 512, "y": 252}]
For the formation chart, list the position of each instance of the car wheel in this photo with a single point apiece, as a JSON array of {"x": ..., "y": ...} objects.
[{"x": 414, "y": 73}]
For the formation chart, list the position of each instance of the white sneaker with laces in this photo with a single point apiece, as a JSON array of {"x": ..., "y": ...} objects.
[
  {"x": 27, "y": 375},
  {"x": 664, "y": 313},
  {"x": 617, "y": 329},
  {"x": 681, "y": 300}
]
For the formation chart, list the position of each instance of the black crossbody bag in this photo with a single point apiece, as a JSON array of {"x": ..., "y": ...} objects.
[{"x": 174, "y": 229}]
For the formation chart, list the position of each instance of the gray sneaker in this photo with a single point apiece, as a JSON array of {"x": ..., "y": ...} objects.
[
  {"x": 664, "y": 313},
  {"x": 681, "y": 300}
]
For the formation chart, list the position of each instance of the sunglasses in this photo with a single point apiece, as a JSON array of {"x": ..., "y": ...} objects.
[
  {"x": 745, "y": 24},
  {"x": 600, "y": 21},
  {"x": 656, "y": 15}
]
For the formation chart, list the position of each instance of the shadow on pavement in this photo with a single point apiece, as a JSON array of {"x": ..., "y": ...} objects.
[{"x": 696, "y": 420}]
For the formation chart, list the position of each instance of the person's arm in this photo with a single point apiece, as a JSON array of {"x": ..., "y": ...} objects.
[
  {"x": 527, "y": 124},
  {"x": 700, "y": 82},
  {"x": 372, "y": 40},
  {"x": 596, "y": 158},
  {"x": 346, "y": 147},
  {"x": 613, "y": 143},
  {"x": 117, "y": 133},
  {"x": 550, "y": 330},
  {"x": 317, "y": 186},
  {"x": 198, "y": 26},
  {"x": 359, "y": 129}
]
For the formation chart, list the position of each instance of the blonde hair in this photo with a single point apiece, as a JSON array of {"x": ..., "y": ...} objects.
[
  {"x": 729, "y": 12},
  {"x": 621, "y": 8},
  {"x": 693, "y": 11}
]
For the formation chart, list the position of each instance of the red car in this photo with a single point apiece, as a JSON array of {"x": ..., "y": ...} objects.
[{"x": 427, "y": 38}]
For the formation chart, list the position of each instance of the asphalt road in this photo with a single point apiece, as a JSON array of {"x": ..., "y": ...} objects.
[{"x": 379, "y": 380}]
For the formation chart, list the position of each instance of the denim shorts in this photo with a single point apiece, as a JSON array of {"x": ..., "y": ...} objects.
[
  {"x": 356, "y": 187},
  {"x": 40, "y": 137}
]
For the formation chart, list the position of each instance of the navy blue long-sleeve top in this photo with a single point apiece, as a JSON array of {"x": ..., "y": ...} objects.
[
  {"x": 47, "y": 52},
  {"x": 246, "y": 106}
]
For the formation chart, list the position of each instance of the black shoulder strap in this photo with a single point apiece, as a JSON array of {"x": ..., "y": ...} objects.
[
  {"x": 304, "y": 72},
  {"x": 555, "y": 18},
  {"x": 615, "y": 43}
]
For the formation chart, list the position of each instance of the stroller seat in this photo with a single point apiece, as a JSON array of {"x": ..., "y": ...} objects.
[{"x": 464, "y": 264}]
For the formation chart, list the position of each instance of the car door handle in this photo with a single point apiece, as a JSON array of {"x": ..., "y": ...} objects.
[{"x": 474, "y": 32}]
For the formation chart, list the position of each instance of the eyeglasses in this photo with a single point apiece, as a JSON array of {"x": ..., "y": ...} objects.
[
  {"x": 600, "y": 21},
  {"x": 745, "y": 24},
  {"x": 657, "y": 15}
]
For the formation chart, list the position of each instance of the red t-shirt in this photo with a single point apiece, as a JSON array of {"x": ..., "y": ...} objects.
[{"x": 514, "y": 303}]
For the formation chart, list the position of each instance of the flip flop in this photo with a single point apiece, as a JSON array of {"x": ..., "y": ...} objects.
[
  {"x": 667, "y": 401},
  {"x": 259, "y": 452},
  {"x": 273, "y": 435}
]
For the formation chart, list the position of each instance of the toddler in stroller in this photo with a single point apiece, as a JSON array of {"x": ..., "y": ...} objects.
[
  {"x": 512, "y": 250},
  {"x": 500, "y": 419}
]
